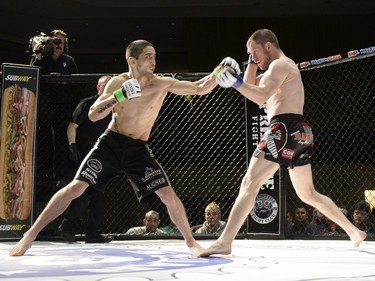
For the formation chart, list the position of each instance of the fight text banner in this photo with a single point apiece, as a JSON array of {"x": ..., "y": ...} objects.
[
  {"x": 265, "y": 217},
  {"x": 19, "y": 88}
]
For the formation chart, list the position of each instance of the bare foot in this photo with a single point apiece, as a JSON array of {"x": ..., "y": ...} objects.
[
  {"x": 21, "y": 247},
  {"x": 195, "y": 248},
  {"x": 216, "y": 248},
  {"x": 358, "y": 237}
]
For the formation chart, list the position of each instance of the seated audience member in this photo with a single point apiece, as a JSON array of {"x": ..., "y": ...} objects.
[
  {"x": 289, "y": 220},
  {"x": 212, "y": 223},
  {"x": 151, "y": 223},
  {"x": 361, "y": 217},
  {"x": 301, "y": 223},
  {"x": 323, "y": 224},
  {"x": 171, "y": 229}
]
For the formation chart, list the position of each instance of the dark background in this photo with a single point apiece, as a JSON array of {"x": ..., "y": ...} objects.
[{"x": 190, "y": 36}]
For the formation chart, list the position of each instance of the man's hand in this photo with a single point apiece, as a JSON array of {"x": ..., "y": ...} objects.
[
  {"x": 130, "y": 89},
  {"x": 227, "y": 78},
  {"x": 228, "y": 61}
]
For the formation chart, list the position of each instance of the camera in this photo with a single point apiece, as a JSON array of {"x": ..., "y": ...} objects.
[{"x": 46, "y": 48}]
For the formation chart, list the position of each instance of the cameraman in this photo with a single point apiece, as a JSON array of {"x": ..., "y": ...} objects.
[
  {"x": 58, "y": 62},
  {"x": 56, "y": 105}
]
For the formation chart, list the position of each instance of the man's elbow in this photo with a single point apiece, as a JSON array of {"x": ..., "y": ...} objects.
[{"x": 92, "y": 117}]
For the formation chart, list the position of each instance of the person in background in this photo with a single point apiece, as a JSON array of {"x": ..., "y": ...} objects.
[
  {"x": 361, "y": 217},
  {"x": 213, "y": 223},
  {"x": 59, "y": 62},
  {"x": 151, "y": 225},
  {"x": 56, "y": 107},
  {"x": 301, "y": 223},
  {"x": 322, "y": 224},
  {"x": 171, "y": 229},
  {"x": 82, "y": 134}
]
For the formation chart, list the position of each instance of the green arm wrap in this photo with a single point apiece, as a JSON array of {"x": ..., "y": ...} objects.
[{"x": 119, "y": 96}]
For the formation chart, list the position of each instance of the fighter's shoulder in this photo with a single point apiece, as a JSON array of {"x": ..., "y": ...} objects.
[
  {"x": 283, "y": 64},
  {"x": 164, "y": 82}
]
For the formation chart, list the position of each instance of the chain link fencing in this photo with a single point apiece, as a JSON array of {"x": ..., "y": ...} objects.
[
  {"x": 201, "y": 143},
  {"x": 339, "y": 104}
]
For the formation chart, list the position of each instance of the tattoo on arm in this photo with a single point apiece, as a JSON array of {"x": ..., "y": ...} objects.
[{"x": 105, "y": 107}]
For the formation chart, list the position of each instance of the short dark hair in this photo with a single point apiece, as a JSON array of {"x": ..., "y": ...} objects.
[
  {"x": 262, "y": 36},
  {"x": 136, "y": 47},
  {"x": 362, "y": 206}
]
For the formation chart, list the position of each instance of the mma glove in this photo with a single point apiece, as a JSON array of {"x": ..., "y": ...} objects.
[
  {"x": 130, "y": 89},
  {"x": 226, "y": 79},
  {"x": 228, "y": 61},
  {"x": 250, "y": 60},
  {"x": 74, "y": 154}
]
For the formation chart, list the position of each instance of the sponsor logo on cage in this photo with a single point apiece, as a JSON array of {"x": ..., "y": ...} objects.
[
  {"x": 265, "y": 209},
  {"x": 155, "y": 183},
  {"x": 18, "y": 78},
  {"x": 95, "y": 165},
  {"x": 150, "y": 173}
]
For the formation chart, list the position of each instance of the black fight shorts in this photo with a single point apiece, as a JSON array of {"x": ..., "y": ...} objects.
[
  {"x": 113, "y": 154},
  {"x": 289, "y": 141}
]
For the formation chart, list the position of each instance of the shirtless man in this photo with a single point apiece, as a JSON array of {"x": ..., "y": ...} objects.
[
  {"x": 281, "y": 88},
  {"x": 135, "y": 97}
]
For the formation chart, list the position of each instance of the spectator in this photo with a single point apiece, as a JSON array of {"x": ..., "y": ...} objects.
[
  {"x": 289, "y": 220},
  {"x": 212, "y": 223},
  {"x": 56, "y": 107},
  {"x": 82, "y": 134},
  {"x": 322, "y": 224},
  {"x": 171, "y": 228},
  {"x": 301, "y": 223},
  {"x": 361, "y": 217},
  {"x": 151, "y": 223}
]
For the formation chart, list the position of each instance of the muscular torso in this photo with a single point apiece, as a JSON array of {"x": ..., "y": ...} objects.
[
  {"x": 289, "y": 95},
  {"x": 135, "y": 118}
]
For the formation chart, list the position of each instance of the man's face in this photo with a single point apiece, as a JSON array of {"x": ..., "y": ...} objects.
[
  {"x": 300, "y": 215},
  {"x": 360, "y": 217},
  {"x": 58, "y": 48},
  {"x": 146, "y": 61},
  {"x": 261, "y": 55},
  {"x": 152, "y": 223}
]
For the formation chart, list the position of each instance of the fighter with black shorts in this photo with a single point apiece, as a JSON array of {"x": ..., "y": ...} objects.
[
  {"x": 114, "y": 153},
  {"x": 289, "y": 141}
]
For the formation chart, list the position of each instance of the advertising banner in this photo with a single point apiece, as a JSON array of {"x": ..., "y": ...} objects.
[
  {"x": 264, "y": 218},
  {"x": 19, "y": 88}
]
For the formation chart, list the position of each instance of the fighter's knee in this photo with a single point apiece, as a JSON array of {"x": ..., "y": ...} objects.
[
  {"x": 76, "y": 188},
  {"x": 166, "y": 193}
]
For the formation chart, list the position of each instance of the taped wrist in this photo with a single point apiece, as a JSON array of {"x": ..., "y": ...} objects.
[
  {"x": 250, "y": 60},
  {"x": 119, "y": 95},
  {"x": 238, "y": 82},
  {"x": 217, "y": 70}
]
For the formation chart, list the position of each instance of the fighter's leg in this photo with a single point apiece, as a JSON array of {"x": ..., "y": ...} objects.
[
  {"x": 177, "y": 214},
  {"x": 55, "y": 207},
  {"x": 260, "y": 170},
  {"x": 303, "y": 184}
]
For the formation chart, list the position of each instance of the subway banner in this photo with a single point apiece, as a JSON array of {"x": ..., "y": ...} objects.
[
  {"x": 19, "y": 88},
  {"x": 265, "y": 217}
]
